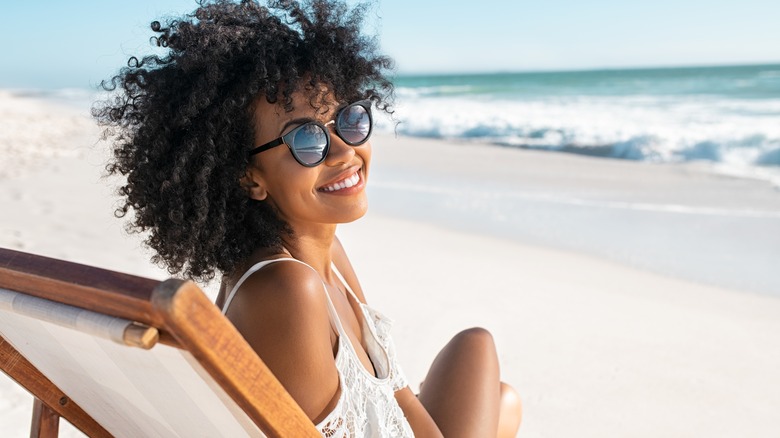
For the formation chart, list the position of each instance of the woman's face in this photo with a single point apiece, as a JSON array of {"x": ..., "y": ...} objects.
[{"x": 307, "y": 195}]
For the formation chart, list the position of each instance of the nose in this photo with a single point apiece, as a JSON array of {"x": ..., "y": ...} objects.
[{"x": 340, "y": 152}]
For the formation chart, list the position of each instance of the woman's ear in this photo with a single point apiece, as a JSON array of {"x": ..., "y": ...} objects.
[{"x": 253, "y": 184}]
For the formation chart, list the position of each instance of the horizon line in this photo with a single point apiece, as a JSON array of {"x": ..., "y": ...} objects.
[{"x": 410, "y": 73}]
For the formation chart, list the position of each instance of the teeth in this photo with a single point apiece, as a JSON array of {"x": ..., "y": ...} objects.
[{"x": 349, "y": 182}]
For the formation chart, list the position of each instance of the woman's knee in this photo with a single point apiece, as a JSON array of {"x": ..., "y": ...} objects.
[
  {"x": 470, "y": 350},
  {"x": 476, "y": 336},
  {"x": 475, "y": 345}
]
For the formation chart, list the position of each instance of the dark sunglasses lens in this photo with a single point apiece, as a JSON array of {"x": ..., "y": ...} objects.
[
  {"x": 310, "y": 144},
  {"x": 354, "y": 124}
]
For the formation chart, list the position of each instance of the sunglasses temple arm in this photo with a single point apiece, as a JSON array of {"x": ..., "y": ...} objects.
[{"x": 265, "y": 147}]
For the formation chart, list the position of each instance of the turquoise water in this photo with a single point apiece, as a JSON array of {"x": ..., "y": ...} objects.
[
  {"x": 729, "y": 116},
  {"x": 733, "y": 82}
]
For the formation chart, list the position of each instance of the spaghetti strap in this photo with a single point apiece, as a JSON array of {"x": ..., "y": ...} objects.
[
  {"x": 254, "y": 268},
  {"x": 334, "y": 317},
  {"x": 344, "y": 282}
]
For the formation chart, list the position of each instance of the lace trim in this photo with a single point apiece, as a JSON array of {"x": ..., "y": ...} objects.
[{"x": 367, "y": 405}]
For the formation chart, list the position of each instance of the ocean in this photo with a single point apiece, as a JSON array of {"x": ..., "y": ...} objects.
[{"x": 727, "y": 116}]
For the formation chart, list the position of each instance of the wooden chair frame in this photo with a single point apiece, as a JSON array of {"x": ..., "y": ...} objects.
[{"x": 185, "y": 318}]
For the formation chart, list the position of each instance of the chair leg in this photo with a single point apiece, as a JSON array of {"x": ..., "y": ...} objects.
[{"x": 45, "y": 422}]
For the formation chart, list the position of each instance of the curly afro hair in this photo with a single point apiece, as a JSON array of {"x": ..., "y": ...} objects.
[{"x": 181, "y": 123}]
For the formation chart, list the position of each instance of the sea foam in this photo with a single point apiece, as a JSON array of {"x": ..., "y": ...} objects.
[{"x": 728, "y": 118}]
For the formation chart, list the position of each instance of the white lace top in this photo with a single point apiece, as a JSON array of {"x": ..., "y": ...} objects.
[{"x": 366, "y": 405}]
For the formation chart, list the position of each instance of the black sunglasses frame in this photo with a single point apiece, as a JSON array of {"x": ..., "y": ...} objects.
[{"x": 287, "y": 139}]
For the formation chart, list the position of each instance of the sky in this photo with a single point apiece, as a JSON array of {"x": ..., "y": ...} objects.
[{"x": 59, "y": 44}]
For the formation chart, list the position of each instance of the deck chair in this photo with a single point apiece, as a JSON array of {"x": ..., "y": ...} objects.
[{"x": 120, "y": 355}]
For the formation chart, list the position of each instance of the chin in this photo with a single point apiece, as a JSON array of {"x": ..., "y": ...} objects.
[
  {"x": 353, "y": 214},
  {"x": 354, "y": 218}
]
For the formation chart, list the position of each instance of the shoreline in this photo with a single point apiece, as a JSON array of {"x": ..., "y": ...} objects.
[{"x": 672, "y": 219}]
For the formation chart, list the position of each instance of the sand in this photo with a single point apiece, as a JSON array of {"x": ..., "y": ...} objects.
[{"x": 599, "y": 338}]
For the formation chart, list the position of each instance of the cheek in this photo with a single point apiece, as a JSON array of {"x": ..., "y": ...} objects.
[
  {"x": 285, "y": 180},
  {"x": 292, "y": 186},
  {"x": 365, "y": 153}
]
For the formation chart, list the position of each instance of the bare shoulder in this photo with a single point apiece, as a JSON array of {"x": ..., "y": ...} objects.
[
  {"x": 282, "y": 312},
  {"x": 342, "y": 262},
  {"x": 279, "y": 287},
  {"x": 284, "y": 280}
]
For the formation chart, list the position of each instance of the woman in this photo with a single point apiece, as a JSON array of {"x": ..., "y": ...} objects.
[{"x": 243, "y": 147}]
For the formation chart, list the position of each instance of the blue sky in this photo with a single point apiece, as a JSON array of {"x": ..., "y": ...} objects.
[{"x": 52, "y": 44}]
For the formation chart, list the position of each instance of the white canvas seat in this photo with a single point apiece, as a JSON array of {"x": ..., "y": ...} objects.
[{"x": 119, "y": 355}]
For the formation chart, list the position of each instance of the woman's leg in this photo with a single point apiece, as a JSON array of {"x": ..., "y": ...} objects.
[
  {"x": 461, "y": 391},
  {"x": 511, "y": 412}
]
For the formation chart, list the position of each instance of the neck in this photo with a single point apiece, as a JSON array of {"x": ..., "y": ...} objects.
[{"x": 312, "y": 245}]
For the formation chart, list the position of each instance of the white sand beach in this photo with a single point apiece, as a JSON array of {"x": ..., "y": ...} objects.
[{"x": 626, "y": 299}]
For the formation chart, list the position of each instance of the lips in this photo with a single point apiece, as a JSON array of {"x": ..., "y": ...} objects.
[{"x": 344, "y": 183}]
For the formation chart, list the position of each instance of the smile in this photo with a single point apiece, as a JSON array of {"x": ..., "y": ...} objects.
[{"x": 345, "y": 183}]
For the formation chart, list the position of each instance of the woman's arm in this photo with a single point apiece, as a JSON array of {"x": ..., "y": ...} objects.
[
  {"x": 281, "y": 311},
  {"x": 421, "y": 422}
]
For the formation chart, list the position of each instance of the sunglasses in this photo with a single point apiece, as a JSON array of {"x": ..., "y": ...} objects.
[{"x": 309, "y": 143}]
